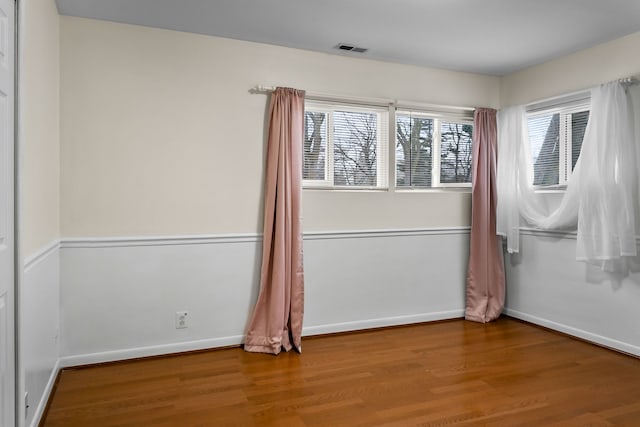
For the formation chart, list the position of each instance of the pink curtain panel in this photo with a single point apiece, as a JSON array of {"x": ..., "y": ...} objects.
[
  {"x": 277, "y": 318},
  {"x": 485, "y": 276}
]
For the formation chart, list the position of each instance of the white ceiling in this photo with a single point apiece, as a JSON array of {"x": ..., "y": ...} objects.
[{"x": 483, "y": 36}]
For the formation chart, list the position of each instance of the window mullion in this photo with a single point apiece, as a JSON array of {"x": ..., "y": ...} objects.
[
  {"x": 435, "y": 154},
  {"x": 391, "y": 149},
  {"x": 565, "y": 134},
  {"x": 411, "y": 143},
  {"x": 330, "y": 153},
  {"x": 569, "y": 145}
]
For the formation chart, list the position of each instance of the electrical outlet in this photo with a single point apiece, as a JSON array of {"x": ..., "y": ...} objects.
[{"x": 181, "y": 319}]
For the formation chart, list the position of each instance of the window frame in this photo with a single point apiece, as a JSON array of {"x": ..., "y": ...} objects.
[
  {"x": 565, "y": 136},
  {"x": 438, "y": 119},
  {"x": 328, "y": 164},
  {"x": 382, "y": 145}
]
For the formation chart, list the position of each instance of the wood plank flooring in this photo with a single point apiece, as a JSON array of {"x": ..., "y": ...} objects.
[{"x": 506, "y": 373}]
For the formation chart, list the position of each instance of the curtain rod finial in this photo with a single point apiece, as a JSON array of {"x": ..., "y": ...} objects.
[{"x": 260, "y": 89}]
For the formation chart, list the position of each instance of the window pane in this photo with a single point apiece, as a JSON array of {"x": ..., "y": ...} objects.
[
  {"x": 315, "y": 145},
  {"x": 544, "y": 140},
  {"x": 455, "y": 152},
  {"x": 355, "y": 148},
  {"x": 578, "y": 126},
  {"x": 414, "y": 135}
]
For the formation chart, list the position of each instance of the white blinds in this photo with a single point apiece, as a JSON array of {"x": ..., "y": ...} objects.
[
  {"x": 432, "y": 151},
  {"x": 555, "y": 140},
  {"x": 575, "y": 127},
  {"x": 455, "y": 152},
  {"x": 315, "y": 146},
  {"x": 414, "y": 150},
  {"x": 544, "y": 142},
  {"x": 346, "y": 145}
]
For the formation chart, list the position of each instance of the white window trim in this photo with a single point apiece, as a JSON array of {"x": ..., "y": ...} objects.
[
  {"x": 565, "y": 109},
  {"x": 386, "y": 181},
  {"x": 382, "y": 162},
  {"x": 327, "y": 182},
  {"x": 437, "y": 118}
]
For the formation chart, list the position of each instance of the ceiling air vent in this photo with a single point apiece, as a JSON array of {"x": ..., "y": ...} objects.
[{"x": 351, "y": 48}]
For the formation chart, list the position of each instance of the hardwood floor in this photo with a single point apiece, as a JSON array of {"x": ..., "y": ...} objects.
[{"x": 505, "y": 373}]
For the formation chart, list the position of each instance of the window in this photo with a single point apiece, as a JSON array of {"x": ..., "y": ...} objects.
[
  {"x": 345, "y": 146},
  {"x": 555, "y": 139},
  {"x": 432, "y": 151}
]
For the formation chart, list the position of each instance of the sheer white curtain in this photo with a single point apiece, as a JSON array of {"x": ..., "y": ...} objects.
[{"x": 601, "y": 198}]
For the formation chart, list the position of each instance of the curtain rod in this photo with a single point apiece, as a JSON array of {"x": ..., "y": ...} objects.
[
  {"x": 633, "y": 80},
  {"x": 319, "y": 96},
  {"x": 630, "y": 80}
]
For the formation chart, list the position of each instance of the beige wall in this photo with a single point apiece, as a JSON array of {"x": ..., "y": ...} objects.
[
  {"x": 161, "y": 136},
  {"x": 581, "y": 70},
  {"x": 39, "y": 124}
]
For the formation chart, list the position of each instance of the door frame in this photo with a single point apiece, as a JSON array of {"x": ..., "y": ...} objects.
[{"x": 19, "y": 377}]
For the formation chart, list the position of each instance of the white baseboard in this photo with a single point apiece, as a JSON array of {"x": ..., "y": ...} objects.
[
  {"x": 579, "y": 333},
  {"x": 156, "y": 350},
  {"x": 381, "y": 322},
  {"x": 44, "y": 399}
]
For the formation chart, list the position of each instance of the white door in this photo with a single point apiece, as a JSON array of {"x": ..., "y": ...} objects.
[{"x": 7, "y": 341}]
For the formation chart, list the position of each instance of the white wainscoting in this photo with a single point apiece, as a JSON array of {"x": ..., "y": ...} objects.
[
  {"x": 371, "y": 279},
  {"x": 40, "y": 327},
  {"x": 116, "y": 298},
  {"x": 119, "y": 296},
  {"x": 547, "y": 286}
]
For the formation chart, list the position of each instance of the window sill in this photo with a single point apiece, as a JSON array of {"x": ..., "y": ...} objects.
[
  {"x": 466, "y": 190},
  {"x": 346, "y": 189},
  {"x": 551, "y": 189},
  {"x": 433, "y": 190}
]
